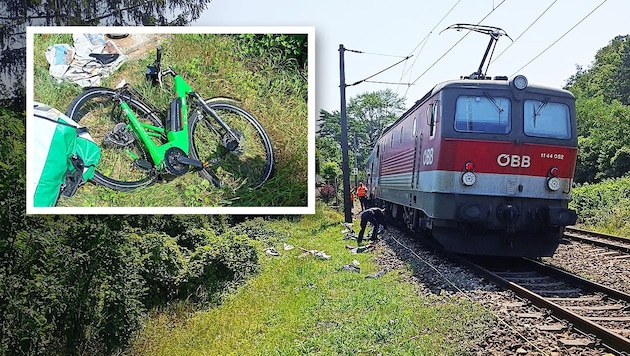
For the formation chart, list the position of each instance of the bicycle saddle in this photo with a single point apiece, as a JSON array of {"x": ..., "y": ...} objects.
[{"x": 104, "y": 58}]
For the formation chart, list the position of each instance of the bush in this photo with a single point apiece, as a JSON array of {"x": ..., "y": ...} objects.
[
  {"x": 279, "y": 47},
  {"x": 327, "y": 192},
  {"x": 604, "y": 206},
  {"x": 71, "y": 289},
  {"x": 81, "y": 285},
  {"x": 226, "y": 261}
]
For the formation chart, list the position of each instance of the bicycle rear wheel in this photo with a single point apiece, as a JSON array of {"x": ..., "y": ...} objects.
[
  {"x": 247, "y": 162},
  {"x": 125, "y": 164}
]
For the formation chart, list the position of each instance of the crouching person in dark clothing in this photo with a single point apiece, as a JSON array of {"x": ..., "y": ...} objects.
[{"x": 376, "y": 216}]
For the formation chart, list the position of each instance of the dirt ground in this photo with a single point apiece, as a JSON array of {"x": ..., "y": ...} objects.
[{"x": 137, "y": 44}]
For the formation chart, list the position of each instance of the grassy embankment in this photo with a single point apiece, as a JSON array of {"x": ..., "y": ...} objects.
[
  {"x": 303, "y": 305},
  {"x": 274, "y": 91}
]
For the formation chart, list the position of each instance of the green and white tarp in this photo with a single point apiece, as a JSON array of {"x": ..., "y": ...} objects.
[{"x": 64, "y": 155}]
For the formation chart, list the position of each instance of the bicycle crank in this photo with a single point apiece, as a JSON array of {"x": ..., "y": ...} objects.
[{"x": 176, "y": 161}]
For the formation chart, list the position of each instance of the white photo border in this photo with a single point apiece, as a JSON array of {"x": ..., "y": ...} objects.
[{"x": 263, "y": 210}]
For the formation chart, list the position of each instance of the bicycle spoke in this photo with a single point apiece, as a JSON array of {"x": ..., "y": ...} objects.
[{"x": 244, "y": 161}]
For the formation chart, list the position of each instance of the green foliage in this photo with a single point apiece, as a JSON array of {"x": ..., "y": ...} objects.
[
  {"x": 259, "y": 230},
  {"x": 280, "y": 47},
  {"x": 371, "y": 113},
  {"x": 83, "y": 285},
  {"x": 12, "y": 177},
  {"x": 306, "y": 306},
  {"x": 226, "y": 261},
  {"x": 603, "y": 140},
  {"x": 604, "y": 206},
  {"x": 608, "y": 77},
  {"x": 368, "y": 115},
  {"x": 603, "y": 114},
  {"x": 70, "y": 288},
  {"x": 330, "y": 171}
]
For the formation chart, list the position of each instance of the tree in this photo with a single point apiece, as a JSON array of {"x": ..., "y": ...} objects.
[
  {"x": 15, "y": 15},
  {"x": 330, "y": 124},
  {"x": 369, "y": 114},
  {"x": 602, "y": 139},
  {"x": 622, "y": 75},
  {"x": 603, "y": 114},
  {"x": 608, "y": 76}
]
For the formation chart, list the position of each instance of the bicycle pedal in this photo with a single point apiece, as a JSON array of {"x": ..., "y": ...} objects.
[{"x": 141, "y": 163}]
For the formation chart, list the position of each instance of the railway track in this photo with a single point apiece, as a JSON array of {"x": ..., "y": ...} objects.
[
  {"x": 590, "y": 307},
  {"x": 550, "y": 311},
  {"x": 613, "y": 247}
]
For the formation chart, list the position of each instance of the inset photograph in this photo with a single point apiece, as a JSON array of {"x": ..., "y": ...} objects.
[{"x": 145, "y": 120}]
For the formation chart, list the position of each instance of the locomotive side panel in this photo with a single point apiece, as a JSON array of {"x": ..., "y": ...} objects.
[{"x": 408, "y": 148}]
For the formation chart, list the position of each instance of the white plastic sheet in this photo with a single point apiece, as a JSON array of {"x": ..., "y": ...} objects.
[{"x": 74, "y": 64}]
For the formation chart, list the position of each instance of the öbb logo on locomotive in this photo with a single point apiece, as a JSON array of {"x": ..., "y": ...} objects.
[
  {"x": 427, "y": 157},
  {"x": 505, "y": 160}
]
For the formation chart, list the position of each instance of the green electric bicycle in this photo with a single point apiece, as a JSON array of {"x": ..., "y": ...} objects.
[{"x": 140, "y": 144}]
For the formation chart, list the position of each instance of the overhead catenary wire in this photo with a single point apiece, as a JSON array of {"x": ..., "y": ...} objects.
[
  {"x": 405, "y": 58},
  {"x": 559, "y": 38},
  {"x": 384, "y": 82},
  {"x": 456, "y": 43},
  {"x": 379, "y": 72},
  {"x": 525, "y": 31},
  {"x": 423, "y": 42},
  {"x": 376, "y": 54}
]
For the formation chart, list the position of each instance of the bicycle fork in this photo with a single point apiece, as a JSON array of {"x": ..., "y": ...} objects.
[{"x": 233, "y": 141}]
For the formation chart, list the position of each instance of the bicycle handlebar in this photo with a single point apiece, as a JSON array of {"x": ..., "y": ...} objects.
[
  {"x": 154, "y": 72},
  {"x": 158, "y": 57}
]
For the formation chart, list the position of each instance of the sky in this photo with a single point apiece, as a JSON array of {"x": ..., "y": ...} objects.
[{"x": 388, "y": 31}]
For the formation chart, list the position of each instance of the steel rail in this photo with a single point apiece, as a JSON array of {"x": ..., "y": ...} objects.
[
  {"x": 615, "y": 241},
  {"x": 610, "y": 339}
]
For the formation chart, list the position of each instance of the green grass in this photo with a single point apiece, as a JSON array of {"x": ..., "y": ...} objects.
[
  {"x": 305, "y": 306},
  {"x": 274, "y": 92}
]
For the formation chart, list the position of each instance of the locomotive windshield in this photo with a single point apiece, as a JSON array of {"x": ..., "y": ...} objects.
[
  {"x": 488, "y": 114},
  {"x": 546, "y": 119}
]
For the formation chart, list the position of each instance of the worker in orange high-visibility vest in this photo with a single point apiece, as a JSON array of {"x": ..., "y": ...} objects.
[{"x": 362, "y": 195}]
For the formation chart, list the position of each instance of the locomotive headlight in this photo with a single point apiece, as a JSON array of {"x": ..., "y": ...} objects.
[
  {"x": 520, "y": 82},
  {"x": 469, "y": 178},
  {"x": 553, "y": 183}
]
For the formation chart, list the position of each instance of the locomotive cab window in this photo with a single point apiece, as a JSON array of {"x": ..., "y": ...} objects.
[
  {"x": 483, "y": 114},
  {"x": 432, "y": 117},
  {"x": 547, "y": 119},
  {"x": 415, "y": 127}
]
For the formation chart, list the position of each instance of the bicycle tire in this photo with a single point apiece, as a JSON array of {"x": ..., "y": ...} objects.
[
  {"x": 99, "y": 111},
  {"x": 249, "y": 165}
]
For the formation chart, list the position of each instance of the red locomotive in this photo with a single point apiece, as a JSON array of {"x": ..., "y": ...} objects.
[{"x": 486, "y": 166}]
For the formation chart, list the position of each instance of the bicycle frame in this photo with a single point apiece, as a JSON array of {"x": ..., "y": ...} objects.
[
  {"x": 176, "y": 125},
  {"x": 176, "y": 134}
]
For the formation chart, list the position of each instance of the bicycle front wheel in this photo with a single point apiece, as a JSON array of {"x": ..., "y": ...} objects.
[
  {"x": 244, "y": 162},
  {"x": 125, "y": 164}
]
